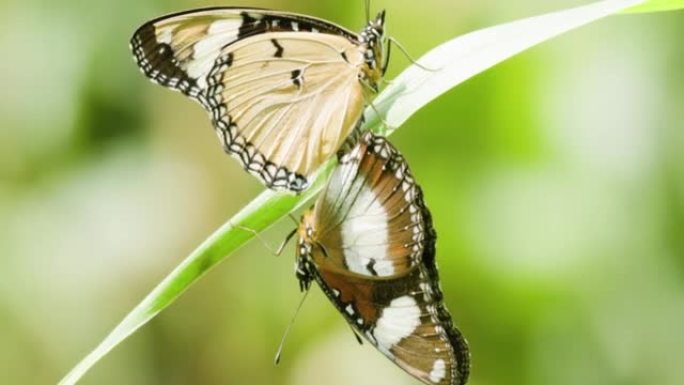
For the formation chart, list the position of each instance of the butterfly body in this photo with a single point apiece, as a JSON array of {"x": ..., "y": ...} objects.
[
  {"x": 284, "y": 91},
  {"x": 369, "y": 244}
]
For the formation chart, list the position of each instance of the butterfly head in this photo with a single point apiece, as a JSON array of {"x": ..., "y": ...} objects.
[
  {"x": 374, "y": 39},
  {"x": 306, "y": 231}
]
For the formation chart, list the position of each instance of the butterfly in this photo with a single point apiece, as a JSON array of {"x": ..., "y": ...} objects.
[
  {"x": 284, "y": 91},
  {"x": 369, "y": 243}
]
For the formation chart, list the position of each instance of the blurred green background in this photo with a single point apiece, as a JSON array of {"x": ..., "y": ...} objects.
[{"x": 556, "y": 182}]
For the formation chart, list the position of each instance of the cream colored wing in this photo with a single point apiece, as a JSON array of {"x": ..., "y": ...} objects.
[
  {"x": 283, "y": 103},
  {"x": 179, "y": 50}
]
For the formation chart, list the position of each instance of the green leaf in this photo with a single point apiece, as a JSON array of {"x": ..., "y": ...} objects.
[
  {"x": 657, "y": 6},
  {"x": 451, "y": 63},
  {"x": 460, "y": 59},
  {"x": 258, "y": 215}
]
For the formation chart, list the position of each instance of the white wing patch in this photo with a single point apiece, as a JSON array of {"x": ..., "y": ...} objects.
[
  {"x": 206, "y": 51},
  {"x": 226, "y": 25},
  {"x": 364, "y": 236},
  {"x": 165, "y": 35},
  {"x": 398, "y": 321},
  {"x": 438, "y": 371}
]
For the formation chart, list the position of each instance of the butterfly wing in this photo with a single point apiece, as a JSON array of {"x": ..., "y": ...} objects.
[
  {"x": 179, "y": 50},
  {"x": 405, "y": 319},
  {"x": 284, "y": 102},
  {"x": 282, "y": 89},
  {"x": 369, "y": 243},
  {"x": 370, "y": 214}
]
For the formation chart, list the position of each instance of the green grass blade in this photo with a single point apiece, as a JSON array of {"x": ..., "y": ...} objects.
[
  {"x": 466, "y": 56},
  {"x": 258, "y": 215},
  {"x": 454, "y": 61},
  {"x": 657, "y": 6}
]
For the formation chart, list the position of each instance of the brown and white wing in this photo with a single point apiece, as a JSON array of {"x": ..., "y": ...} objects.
[
  {"x": 283, "y": 103},
  {"x": 405, "y": 319},
  {"x": 369, "y": 215},
  {"x": 374, "y": 256}
]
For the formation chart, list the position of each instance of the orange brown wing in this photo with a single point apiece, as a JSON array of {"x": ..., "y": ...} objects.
[{"x": 370, "y": 245}]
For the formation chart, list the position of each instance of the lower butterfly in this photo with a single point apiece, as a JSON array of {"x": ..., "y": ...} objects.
[
  {"x": 284, "y": 91},
  {"x": 369, "y": 243}
]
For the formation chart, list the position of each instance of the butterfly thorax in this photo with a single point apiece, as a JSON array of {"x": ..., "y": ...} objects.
[{"x": 373, "y": 39}]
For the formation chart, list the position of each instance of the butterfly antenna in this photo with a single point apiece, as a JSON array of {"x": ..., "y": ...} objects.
[
  {"x": 287, "y": 330},
  {"x": 409, "y": 57},
  {"x": 367, "y": 11}
]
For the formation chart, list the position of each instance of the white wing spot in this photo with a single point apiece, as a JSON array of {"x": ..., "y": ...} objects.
[
  {"x": 231, "y": 26},
  {"x": 398, "y": 321},
  {"x": 165, "y": 36},
  {"x": 438, "y": 371}
]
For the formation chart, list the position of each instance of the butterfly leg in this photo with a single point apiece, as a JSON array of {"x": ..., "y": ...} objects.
[
  {"x": 285, "y": 241},
  {"x": 377, "y": 112},
  {"x": 275, "y": 252}
]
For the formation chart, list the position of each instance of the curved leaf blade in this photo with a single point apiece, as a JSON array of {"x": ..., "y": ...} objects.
[{"x": 466, "y": 56}]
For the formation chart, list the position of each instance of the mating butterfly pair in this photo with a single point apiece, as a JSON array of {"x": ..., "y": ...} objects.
[{"x": 285, "y": 92}]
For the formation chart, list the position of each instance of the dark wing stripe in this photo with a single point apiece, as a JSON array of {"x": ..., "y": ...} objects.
[{"x": 156, "y": 60}]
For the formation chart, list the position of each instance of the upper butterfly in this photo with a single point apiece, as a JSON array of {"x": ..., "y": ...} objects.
[{"x": 284, "y": 91}]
